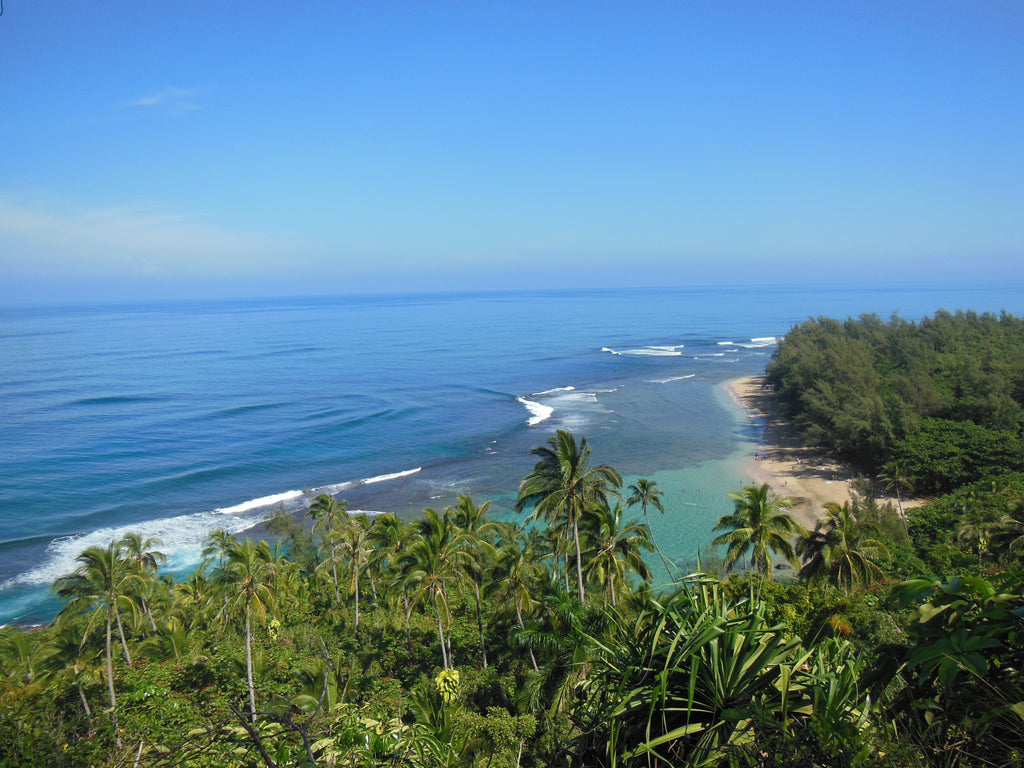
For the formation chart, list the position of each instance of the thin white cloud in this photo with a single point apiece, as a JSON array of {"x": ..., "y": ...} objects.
[
  {"x": 141, "y": 241},
  {"x": 172, "y": 100}
]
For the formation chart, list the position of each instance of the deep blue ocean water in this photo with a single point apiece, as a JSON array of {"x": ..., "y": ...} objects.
[{"x": 175, "y": 419}]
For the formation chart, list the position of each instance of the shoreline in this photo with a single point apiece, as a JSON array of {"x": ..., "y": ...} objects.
[{"x": 809, "y": 476}]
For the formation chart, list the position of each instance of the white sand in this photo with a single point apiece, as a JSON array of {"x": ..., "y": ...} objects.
[{"x": 809, "y": 476}]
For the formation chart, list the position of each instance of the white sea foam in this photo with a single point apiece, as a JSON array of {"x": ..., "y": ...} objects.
[
  {"x": 338, "y": 487},
  {"x": 654, "y": 352},
  {"x": 760, "y": 341},
  {"x": 670, "y": 380},
  {"x": 177, "y": 534},
  {"x": 265, "y": 501},
  {"x": 554, "y": 391},
  {"x": 649, "y": 351},
  {"x": 726, "y": 343},
  {"x": 182, "y": 536},
  {"x": 538, "y": 411}
]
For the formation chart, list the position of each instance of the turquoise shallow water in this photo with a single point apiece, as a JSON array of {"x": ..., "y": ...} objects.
[{"x": 174, "y": 419}]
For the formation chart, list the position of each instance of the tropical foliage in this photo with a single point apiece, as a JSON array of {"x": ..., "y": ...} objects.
[
  {"x": 942, "y": 399},
  {"x": 458, "y": 638}
]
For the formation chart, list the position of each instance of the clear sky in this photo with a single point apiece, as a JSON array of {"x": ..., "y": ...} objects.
[{"x": 188, "y": 149}]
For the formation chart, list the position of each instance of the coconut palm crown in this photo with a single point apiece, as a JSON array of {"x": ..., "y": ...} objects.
[{"x": 758, "y": 527}]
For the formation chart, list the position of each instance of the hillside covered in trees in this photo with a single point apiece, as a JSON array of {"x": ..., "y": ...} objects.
[
  {"x": 462, "y": 639},
  {"x": 937, "y": 404}
]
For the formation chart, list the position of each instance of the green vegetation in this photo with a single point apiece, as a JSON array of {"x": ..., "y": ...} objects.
[
  {"x": 934, "y": 404},
  {"x": 460, "y": 640}
]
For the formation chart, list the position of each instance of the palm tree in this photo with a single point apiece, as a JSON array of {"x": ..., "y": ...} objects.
[
  {"x": 893, "y": 479},
  {"x": 436, "y": 561},
  {"x": 646, "y": 493},
  {"x": 476, "y": 529},
  {"x": 74, "y": 659},
  {"x": 978, "y": 525},
  {"x": 1010, "y": 532},
  {"x": 843, "y": 548},
  {"x": 248, "y": 574},
  {"x": 102, "y": 584},
  {"x": 388, "y": 539},
  {"x": 354, "y": 537},
  {"x": 561, "y": 488},
  {"x": 146, "y": 559},
  {"x": 518, "y": 576},
  {"x": 617, "y": 551},
  {"x": 758, "y": 526},
  {"x": 328, "y": 513}
]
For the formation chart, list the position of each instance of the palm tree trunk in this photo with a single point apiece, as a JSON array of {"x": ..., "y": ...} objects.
[
  {"x": 85, "y": 701},
  {"x": 248, "y": 667},
  {"x": 662, "y": 554},
  {"x": 440, "y": 634},
  {"x": 149, "y": 613},
  {"x": 355, "y": 579},
  {"x": 124, "y": 643},
  {"x": 480, "y": 622},
  {"x": 110, "y": 682},
  {"x": 408, "y": 618},
  {"x": 579, "y": 560},
  {"x": 334, "y": 573},
  {"x": 519, "y": 616},
  {"x": 451, "y": 656}
]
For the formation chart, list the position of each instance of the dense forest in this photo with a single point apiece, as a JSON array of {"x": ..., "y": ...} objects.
[
  {"x": 935, "y": 404},
  {"x": 461, "y": 639}
]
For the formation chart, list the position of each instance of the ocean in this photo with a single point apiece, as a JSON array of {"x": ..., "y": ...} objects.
[{"x": 175, "y": 419}]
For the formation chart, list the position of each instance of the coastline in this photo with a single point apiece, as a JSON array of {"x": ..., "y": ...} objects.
[{"x": 808, "y": 476}]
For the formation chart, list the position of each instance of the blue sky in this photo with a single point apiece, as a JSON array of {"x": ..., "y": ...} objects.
[{"x": 191, "y": 149}]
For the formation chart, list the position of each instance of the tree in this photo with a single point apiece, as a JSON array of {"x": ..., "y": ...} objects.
[
  {"x": 354, "y": 537},
  {"x": 248, "y": 575},
  {"x": 518, "y": 577},
  {"x": 978, "y": 526},
  {"x": 437, "y": 560},
  {"x": 758, "y": 526},
  {"x": 617, "y": 551},
  {"x": 842, "y": 548},
  {"x": 146, "y": 560},
  {"x": 102, "y": 584},
  {"x": 219, "y": 543},
  {"x": 561, "y": 488},
  {"x": 472, "y": 519},
  {"x": 646, "y": 493},
  {"x": 892, "y": 478},
  {"x": 328, "y": 513}
]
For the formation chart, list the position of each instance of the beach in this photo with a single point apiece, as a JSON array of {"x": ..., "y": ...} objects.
[{"x": 811, "y": 477}]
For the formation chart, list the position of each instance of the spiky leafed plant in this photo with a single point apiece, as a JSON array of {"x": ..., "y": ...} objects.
[
  {"x": 699, "y": 679},
  {"x": 562, "y": 487},
  {"x": 758, "y": 527}
]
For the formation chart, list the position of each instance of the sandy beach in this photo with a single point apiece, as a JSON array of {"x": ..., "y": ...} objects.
[{"x": 809, "y": 476}]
